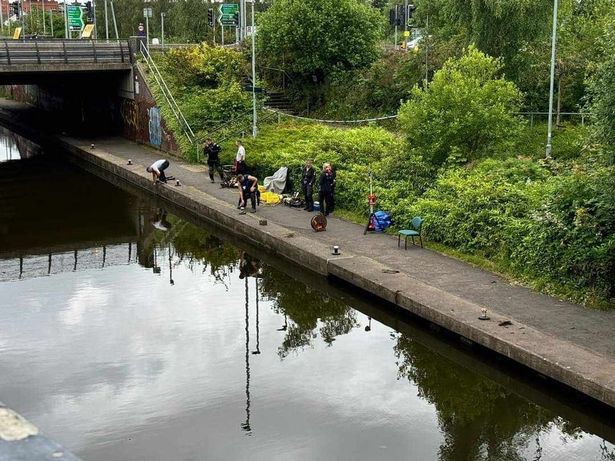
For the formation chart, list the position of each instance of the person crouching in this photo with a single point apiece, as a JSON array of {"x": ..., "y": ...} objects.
[
  {"x": 248, "y": 188},
  {"x": 157, "y": 170}
]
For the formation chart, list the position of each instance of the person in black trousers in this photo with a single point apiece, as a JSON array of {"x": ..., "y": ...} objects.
[
  {"x": 307, "y": 184},
  {"x": 248, "y": 188},
  {"x": 212, "y": 150},
  {"x": 327, "y": 190},
  {"x": 157, "y": 170}
]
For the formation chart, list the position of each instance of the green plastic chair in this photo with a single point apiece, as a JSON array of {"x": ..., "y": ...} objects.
[{"x": 417, "y": 224}]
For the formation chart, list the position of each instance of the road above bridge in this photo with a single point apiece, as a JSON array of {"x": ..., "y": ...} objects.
[{"x": 32, "y": 60}]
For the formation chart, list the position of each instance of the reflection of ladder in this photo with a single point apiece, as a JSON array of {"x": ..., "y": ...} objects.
[{"x": 166, "y": 92}]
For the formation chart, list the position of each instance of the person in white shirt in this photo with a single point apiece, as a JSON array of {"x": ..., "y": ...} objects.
[
  {"x": 157, "y": 170},
  {"x": 240, "y": 159}
]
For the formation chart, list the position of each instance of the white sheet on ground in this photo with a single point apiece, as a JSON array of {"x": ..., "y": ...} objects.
[{"x": 277, "y": 182}]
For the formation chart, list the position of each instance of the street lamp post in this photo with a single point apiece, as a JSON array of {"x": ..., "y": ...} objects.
[
  {"x": 106, "y": 22},
  {"x": 552, "y": 81},
  {"x": 66, "y": 20},
  {"x": 254, "y": 129},
  {"x": 162, "y": 28}
]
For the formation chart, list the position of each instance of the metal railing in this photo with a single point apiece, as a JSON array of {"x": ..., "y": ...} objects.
[
  {"x": 168, "y": 96},
  {"x": 67, "y": 261},
  {"x": 63, "y": 52},
  {"x": 533, "y": 116}
]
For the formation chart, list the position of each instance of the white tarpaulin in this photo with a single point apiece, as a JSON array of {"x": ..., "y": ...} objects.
[{"x": 277, "y": 182}]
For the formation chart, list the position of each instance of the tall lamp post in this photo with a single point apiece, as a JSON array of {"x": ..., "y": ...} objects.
[
  {"x": 254, "y": 129},
  {"x": 552, "y": 81}
]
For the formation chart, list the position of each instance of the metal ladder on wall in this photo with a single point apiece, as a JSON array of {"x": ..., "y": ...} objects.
[{"x": 168, "y": 96}]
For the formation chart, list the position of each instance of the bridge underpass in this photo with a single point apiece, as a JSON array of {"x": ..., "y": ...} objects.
[{"x": 80, "y": 83}]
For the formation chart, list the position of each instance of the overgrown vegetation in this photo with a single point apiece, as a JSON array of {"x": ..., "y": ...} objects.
[
  {"x": 460, "y": 156},
  {"x": 207, "y": 84}
]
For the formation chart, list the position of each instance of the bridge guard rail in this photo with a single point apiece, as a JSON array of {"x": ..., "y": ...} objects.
[{"x": 63, "y": 52}]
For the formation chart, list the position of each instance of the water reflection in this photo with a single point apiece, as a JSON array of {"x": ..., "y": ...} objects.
[
  {"x": 138, "y": 318},
  {"x": 14, "y": 147},
  {"x": 479, "y": 418}
]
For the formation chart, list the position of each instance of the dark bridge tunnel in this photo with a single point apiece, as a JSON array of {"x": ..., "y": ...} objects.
[{"x": 79, "y": 104}]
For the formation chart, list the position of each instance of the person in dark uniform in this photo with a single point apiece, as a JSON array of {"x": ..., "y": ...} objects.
[
  {"x": 248, "y": 187},
  {"x": 212, "y": 151},
  {"x": 327, "y": 190},
  {"x": 307, "y": 184}
]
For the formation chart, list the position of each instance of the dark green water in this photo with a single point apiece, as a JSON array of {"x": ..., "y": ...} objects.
[{"x": 129, "y": 333}]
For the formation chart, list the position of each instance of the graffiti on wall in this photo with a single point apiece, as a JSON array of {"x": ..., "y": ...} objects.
[
  {"x": 129, "y": 114},
  {"x": 155, "y": 128}
]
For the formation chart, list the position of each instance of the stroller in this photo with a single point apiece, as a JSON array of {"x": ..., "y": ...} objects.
[{"x": 229, "y": 177}]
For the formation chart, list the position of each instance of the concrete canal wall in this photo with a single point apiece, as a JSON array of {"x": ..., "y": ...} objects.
[
  {"x": 20, "y": 440},
  {"x": 587, "y": 372}
]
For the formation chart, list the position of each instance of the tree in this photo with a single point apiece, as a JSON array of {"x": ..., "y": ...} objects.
[
  {"x": 498, "y": 27},
  {"x": 602, "y": 91},
  {"x": 465, "y": 113},
  {"x": 313, "y": 37}
]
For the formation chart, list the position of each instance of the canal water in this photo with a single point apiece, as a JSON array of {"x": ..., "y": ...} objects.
[{"x": 128, "y": 332}]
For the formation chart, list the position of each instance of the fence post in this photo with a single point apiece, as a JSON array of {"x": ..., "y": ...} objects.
[
  {"x": 38, "y": 54},
  {"x": 8, "y": 54},
  {"x": 531, "y": 118},
  {"x": 582, "y": 119},
  {"x": 64, "y": 48}
]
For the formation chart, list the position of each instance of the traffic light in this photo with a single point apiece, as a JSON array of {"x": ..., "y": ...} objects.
[
  {"x": 210, "y": 17},
  {"x": 15, "y": 9},
  {"x": 89, "y": 11},
  {"x": 401, "y": 14},
  {"x": 396, "y": 15}
]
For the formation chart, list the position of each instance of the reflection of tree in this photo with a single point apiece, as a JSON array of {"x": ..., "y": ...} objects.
[
  {"x": 194, "y": 245},
  {"x": 305, "y": 308},
  {"x": 479, "y": 418}
]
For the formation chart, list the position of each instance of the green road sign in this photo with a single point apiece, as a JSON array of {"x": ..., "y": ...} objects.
[
  {"x": 227, "y": 14},
  {"x": 75, "y": 17}
]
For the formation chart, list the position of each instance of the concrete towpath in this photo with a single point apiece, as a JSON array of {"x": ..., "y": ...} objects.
[{"x": 588, "y": 328}]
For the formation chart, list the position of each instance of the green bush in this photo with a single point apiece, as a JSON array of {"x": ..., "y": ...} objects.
[
  {"x": 352, "y": 152},
  {"x": 465, "y": 113},
  {"x": 206, "y": 83},
  {"x": 206, "y": 108},
  {"x": 201, "y": 66},
  {"x": 569, "y": 237},
  {"x": 470, "y": 209}
]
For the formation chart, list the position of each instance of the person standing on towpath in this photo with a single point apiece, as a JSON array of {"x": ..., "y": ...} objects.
[
  {"x": 327, "y": 190},
  {"x": 307, "y": 184},
  {"x": 212, "y": 150},
  {"x": 240, "y": 159}
]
